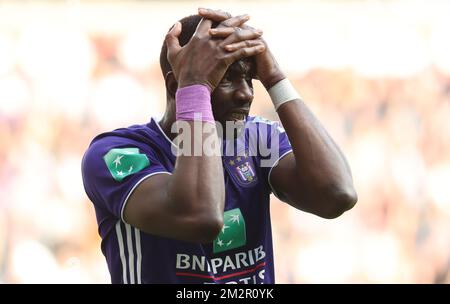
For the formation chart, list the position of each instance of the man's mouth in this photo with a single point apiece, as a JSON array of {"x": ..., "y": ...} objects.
[{"x": 237, "y": 116}]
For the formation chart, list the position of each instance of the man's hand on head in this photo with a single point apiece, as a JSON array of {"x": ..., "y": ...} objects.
[
  {"x": 267, "y": 69},
  {"x": 204, "y": 59}
]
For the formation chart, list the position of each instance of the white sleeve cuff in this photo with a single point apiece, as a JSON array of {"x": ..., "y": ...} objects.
[
  {"x": 134, "y": 187},
  {"x": 270, "y": 172}
]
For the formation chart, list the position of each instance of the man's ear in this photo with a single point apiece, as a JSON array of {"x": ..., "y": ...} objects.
[{"x": 171, "y": 84}]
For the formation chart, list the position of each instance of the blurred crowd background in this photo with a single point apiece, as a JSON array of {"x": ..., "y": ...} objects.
[{"x": 376, "y": 73}]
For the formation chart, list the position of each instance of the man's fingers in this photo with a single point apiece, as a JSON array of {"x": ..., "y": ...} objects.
[
  {"x": 241, "y": 35},
  {"x": 173, "y": 45},
  {"x": 222, "y": 32},
  {"x": 203, "y": 27},
  {"x": 235, "y": 21},
  {"x": 214, "y": 15},
  {"x": 225, "y": 18},
  {"x": 246, "y": 52},
  {"x": 243, "y": 44}
]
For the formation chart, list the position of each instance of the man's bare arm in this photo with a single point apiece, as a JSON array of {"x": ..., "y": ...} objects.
[{"x": 316, "y": 178}]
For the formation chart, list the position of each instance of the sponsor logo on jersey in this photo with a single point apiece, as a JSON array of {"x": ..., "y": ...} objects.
[
  {"x": 244, "y": 267},
  {"x": 233, "y": 234},
  {"x": 123, "y": 162}
]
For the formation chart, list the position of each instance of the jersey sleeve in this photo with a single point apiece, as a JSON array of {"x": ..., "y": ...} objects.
[
  {"x": 113, "y": 167},
  {"x": 274, "y": 146}
]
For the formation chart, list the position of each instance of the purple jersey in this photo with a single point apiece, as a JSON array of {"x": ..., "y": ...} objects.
[{"x": 117, "y": 162}]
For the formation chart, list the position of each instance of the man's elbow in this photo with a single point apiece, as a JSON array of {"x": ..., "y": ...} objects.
[
  {"x": 207, "y": 228},
  {"x": 339, "y": 201},
  {"x": 203, "y": 224}
]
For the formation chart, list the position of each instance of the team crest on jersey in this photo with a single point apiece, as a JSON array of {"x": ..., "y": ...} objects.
[
  {"x": 246, "y": 172},
  {"x": 242, "y": 169}
]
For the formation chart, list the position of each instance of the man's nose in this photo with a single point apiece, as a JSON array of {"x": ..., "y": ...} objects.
[{"x": 244, "y": 92}]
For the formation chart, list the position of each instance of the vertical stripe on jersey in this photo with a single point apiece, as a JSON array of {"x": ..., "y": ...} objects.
[
  {"x": 130, "y": 245},
  {"x": 122, "y": 251},
  {"x": 130, "y": 253},
  {"x": 137, "y": 235}
]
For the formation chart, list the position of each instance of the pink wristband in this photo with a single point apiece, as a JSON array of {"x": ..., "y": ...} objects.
[{"x": 194, "y": 103}]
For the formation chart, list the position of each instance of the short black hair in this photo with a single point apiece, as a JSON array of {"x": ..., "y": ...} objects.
[{"x": 188, "y": 26}]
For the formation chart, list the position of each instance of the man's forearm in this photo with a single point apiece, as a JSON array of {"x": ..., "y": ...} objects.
[
  {"x": 197, "y": 188},
  {"x": 198, "y": 183},
  {"x": 319, "y": 162}
]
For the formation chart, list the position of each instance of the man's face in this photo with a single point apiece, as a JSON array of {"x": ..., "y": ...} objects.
[{"x": 232, "y": 98}]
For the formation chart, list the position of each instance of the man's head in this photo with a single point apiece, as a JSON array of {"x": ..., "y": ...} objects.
[{"x": 232, "y": 98}]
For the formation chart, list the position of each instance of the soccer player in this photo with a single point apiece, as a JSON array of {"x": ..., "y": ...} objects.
[{"x": 170, "y": 215}]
